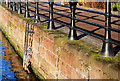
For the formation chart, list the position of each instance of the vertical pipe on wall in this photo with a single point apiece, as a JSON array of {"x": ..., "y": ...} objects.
[
  {"x": 107, "y": 49},
  {"x": 51, "y": 23},
  {"x": 72, "y": 32}
]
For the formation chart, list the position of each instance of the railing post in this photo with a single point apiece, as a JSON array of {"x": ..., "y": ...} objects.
[
  {"x": 14, "y": 6},
  {"x": 72, "y": 32},
  {"x": 107, "y": 49},
  {"x": 27, "y": 14},
  {"x": 19, "y": 11},
  {"x": 37, "y": 12},
  {"x": 51, "y": 23},
  {"x": 9, "y": 4}
]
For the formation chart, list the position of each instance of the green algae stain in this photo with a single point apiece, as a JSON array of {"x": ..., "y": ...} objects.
[
  {"x": 93, "y": 52},
  {"x": 12, "y": 43},
  {"x": 9, "y": 9},
  {"x": 38, "y": 75},
  {"x": 115, "y": 59}
]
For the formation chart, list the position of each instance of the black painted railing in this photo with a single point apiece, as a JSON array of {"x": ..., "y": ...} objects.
[{"x": 107, "y": 49}]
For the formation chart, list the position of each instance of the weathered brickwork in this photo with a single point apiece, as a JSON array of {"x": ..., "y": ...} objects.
[{"x": 51, "y": 59}]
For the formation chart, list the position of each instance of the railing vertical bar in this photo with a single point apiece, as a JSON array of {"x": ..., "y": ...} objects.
[
  {"x": 72, "y": 32},
  {"x": 19, "y": 7},
  {"x": 51, "y": 23},
  {"x": 14, "y": 7},
  {"x": 9, "y": 4},
  {"x": 107, "y": 49},
  {"x": 37, "y": 12},
  {"x": 26, "y": 15}
]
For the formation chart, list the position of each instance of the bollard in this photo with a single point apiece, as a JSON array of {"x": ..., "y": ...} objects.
[
  {"x": 37, "y": 12},
  {"x": 107, "y": 49},
  {"x": 9, "y": 4},
  {"x": 14, "y": 6},
  {"x": 51, "y": 23},
  {"x": 27, "y": 14},
  {"x": 19, "y": 11},
  {"x": 72, "y": 32}
]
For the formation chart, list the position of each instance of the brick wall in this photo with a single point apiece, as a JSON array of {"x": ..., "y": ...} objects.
[{"x": 52, "y": 57}]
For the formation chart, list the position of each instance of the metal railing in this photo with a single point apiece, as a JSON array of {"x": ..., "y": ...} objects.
[{"x": 107, "y": 49}]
